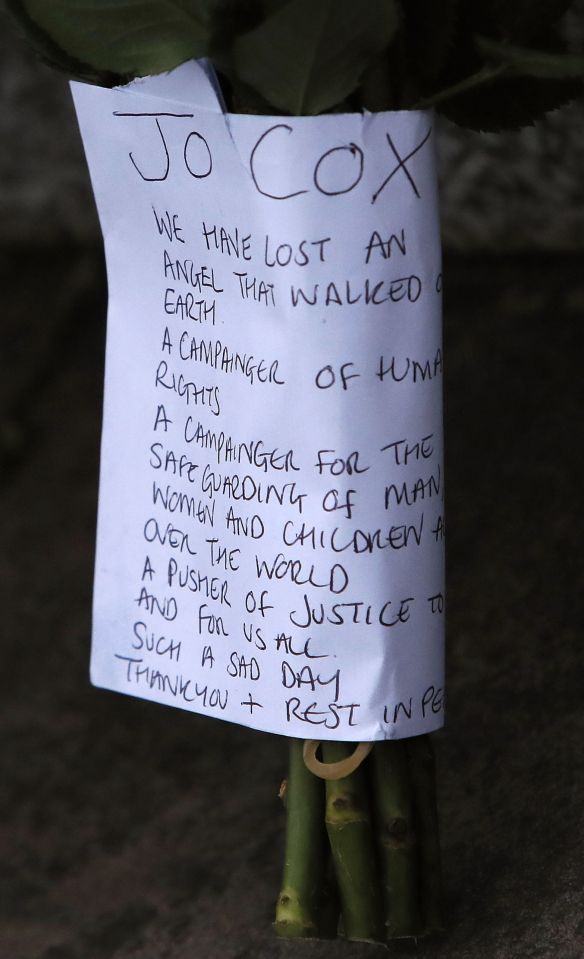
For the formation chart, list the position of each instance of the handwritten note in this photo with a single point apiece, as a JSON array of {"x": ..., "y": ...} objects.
[{"x": 271, "y": 528}]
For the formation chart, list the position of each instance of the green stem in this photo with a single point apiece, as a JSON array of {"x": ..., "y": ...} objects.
[
  {"x": 349, "y": 828},
  {"x": 298, "y": 906},
  {"x": 484, "y": 75},
  {"x": 423, "y": 776},
  {"x": 396, "y": 838},
  {"x": 328, "y": 924}
]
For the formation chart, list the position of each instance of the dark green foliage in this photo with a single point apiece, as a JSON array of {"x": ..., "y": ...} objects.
[
  {"x": 300, "y": 58},
  {"x": 522, "y": 62},
  {"x": 50, "y": 52},
  {"x": 486, "y": 64},
  {"x": 509, "y": 104},
  {"x": 511, "y": 92},
  {"x": 518, "y": 21},
  {"x": 134, "y": 37}
]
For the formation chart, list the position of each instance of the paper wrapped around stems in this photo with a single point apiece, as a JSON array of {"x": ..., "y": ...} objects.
[{"x": 271, "y": 532}]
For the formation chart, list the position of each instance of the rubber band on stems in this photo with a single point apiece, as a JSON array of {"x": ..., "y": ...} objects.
[{"x": 336, "y": 770}]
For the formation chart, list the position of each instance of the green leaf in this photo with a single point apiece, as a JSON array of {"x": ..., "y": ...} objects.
[
  {"x": 483, "y": 92},
  {"x": 130, "y": 37},
  {"x": 521, "y": 22},
  {"x": 521, "y": 62},
  {"x": 309, "y": 55},
  {"x": 229, "y": 18},
  {"x": 51, "y": 54}
]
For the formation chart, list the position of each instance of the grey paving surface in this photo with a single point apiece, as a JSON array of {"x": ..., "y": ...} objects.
[{"x": 131, "y": 831}]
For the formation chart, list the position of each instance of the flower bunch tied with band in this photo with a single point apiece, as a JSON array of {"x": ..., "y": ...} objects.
[{"x": 362, "y": 854}]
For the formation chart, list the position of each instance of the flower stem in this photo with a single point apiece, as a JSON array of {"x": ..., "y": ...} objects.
[
  {"x": 396, "y": 838},
  {"x": 348, "y": 822},
  {"x": 485, "y": 75},
  {"x": 303, "y": 882}
]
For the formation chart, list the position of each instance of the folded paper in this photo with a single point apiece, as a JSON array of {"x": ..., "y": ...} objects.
[{"x": 270, "y": 545}]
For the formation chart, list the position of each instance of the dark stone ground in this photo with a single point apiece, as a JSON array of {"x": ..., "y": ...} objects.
[{"x": 132, "y": 831}]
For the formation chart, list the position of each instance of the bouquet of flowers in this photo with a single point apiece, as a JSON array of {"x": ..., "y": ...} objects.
[{"x": 362, "y": 853}]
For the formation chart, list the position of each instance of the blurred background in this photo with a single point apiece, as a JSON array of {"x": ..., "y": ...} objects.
[{"x": 129, "y": 831}]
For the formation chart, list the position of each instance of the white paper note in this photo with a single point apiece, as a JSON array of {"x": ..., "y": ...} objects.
[{"x": 271, "y": 531}]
